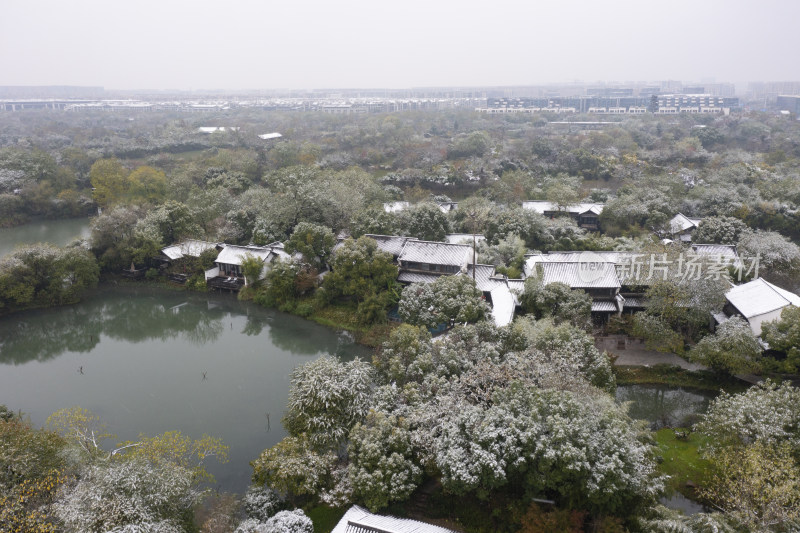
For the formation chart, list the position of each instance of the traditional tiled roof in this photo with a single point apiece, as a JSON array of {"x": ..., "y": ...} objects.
[
  {"x": 586, "y": 256},
  {"x": 392, "y": 244},
  {"x": 436, "y": 253},
  {"x": 189, "y": 247},
  {"x": 604, "y": 306},
  {"x": 233, "y": 255},
  {"x": 416, "y": 277},
  {"x": 759, "y": 297},
  {"x": 727, "y": 252},
  {"x": 359, "y": 520},
  {"x": 681, "y": 222},
  {"x": 483, "y": 275},
  {"x": 516, "y": 284},
  {"x": 581, "y": 276},
  {"x": 634, "y": 303},
  {"x": 577, "y": 209}
]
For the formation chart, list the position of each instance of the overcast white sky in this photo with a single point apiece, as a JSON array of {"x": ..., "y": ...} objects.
[{"x": 252, "y": 44}]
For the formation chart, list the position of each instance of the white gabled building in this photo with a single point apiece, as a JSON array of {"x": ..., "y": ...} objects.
[
  {"x": 681, "y": 227},
  {"x": 359, "y": 520},
  {"x": 189, "y": 248},
  {"x": 759, "y": 301},
  {"x": 228, "y": 269}
]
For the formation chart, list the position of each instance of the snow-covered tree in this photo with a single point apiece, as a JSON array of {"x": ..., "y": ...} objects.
[
  {"x": 120, "y": 496},
  {"x": 581, "y": 450},
  {"x": 765, "y": 412},
  {"x": 732, "y": 348},
  {"x": 405, "y": 345},
  {"x": 327, "y": 398},
  {"x": 775, "y": 252},
  {"x": 719, "y": 230},
  {"x": 359, "y": 269},
  {"x": 508, "y": 253},
  {"x": 418, "y": 306},
  {"x": 783, "y": 335},
  {"x": 382, "y": 467},
  {"x": 526, "y": 224},
  {"x": 283, "y": 522},
  {"x": 570, "y": 349},
  {"x": 557, "y": 301},
  {"x": 261, "y": 502},
  {"x": 448, "y": 300},
  {"x": 425, "y": 221}
]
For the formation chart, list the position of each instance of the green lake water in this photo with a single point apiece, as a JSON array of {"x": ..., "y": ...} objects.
[
  {"x": 149, "y": 360},
  {"x": 58, "y": 232}
]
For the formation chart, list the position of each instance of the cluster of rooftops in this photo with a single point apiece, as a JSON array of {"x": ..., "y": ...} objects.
[{"x": 610, "y": 278}]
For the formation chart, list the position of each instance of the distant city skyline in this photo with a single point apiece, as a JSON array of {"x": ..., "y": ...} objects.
[{"x": 263, "y": 45}]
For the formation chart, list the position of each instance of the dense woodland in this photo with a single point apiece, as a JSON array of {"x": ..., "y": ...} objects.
[{"x": 496, "y": 417}]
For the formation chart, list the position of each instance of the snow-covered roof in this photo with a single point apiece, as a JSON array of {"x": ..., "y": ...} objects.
[
  {"x": 604, "y": 306},
  {"x": 581, "y": 275},
  {"x": 436, "y": 253},
  {"x": 634, "y": 303},
  {"x": 214, "y": 129},
  {"x": 233, "y": 255},
  {"x": 463, "y": 238},
  {"x": 417, "y": 277},
  {"x": 446, "y": 207},
  {"x": 588, "y": 259},
  {"x": 390, "y": 243},
  {"x": 517, "y": 285},
  {"x": 483, "y": 276},
  {"x": 759, "y": 297},
  {"x": 540, "y": 206},
  {"x": 393, "y": 207},
  {"x": 503, "y": 304},
  {"x": 681, "y": 222},
  {"x": 359, "y": 520},
  {"x": 723, "y": 251},
  {"x": 577, "y": 257},
  {"x": 266, "y": 136},
  {"x": 189, "y": 247}
]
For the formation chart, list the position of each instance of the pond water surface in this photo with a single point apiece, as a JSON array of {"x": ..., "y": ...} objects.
[
  {"x": 664, "y": 406},
  {"x": 149, "y": 360},
  {"x": 58, "y": 232}
]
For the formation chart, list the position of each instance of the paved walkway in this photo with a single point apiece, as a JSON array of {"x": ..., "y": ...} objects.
[{"x": 631, "y": 352}]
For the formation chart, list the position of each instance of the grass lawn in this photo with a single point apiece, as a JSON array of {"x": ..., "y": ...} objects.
[
  {"x": 343, "y": 316},
  {"x": 682, "y": 460},
  {"x": 325, "y": 518}
]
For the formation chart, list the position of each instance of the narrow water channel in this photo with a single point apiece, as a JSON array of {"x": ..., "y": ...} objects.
[{"x": 149, "y": 360}]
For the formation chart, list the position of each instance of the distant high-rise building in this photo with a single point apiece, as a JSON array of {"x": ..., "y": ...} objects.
[{"x": 789, "y": 103}]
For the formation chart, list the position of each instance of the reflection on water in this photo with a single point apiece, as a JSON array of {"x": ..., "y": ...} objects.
[
  {"x": 680, "y": 502},
  {"x": 664, "y": 406},
  {"x": 58, "y": 232},
  {"x": 143, "y": 353}
]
